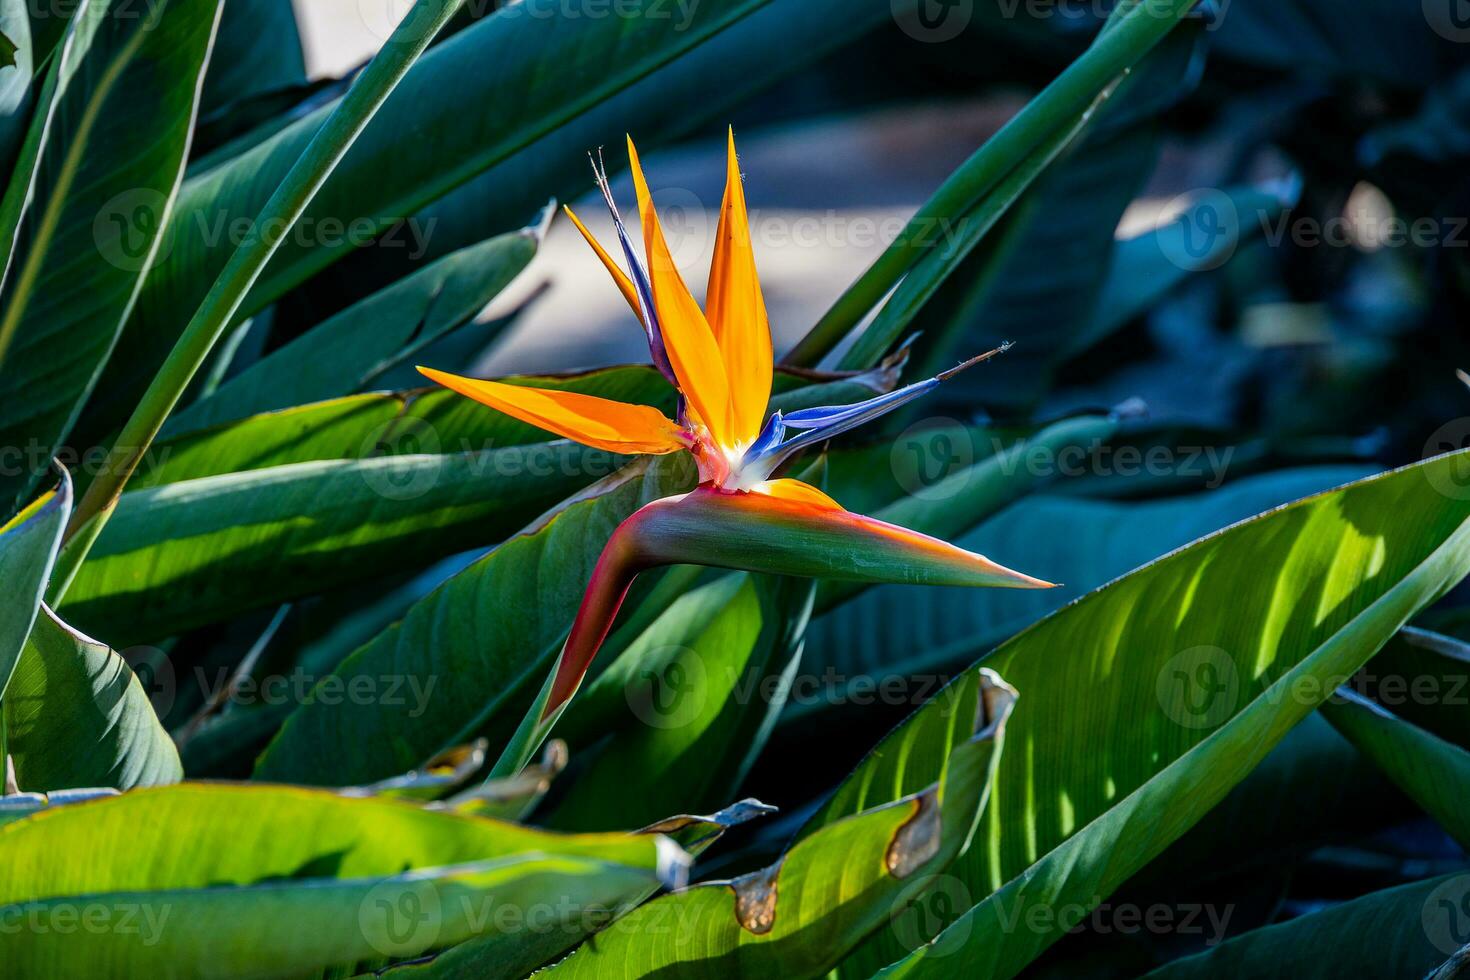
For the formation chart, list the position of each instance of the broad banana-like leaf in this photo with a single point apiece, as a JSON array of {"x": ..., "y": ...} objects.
[
  {"x": 1186, "y": 672},
  {"x": 347, "y": 352},
  {"x": 1435, "y": 774},
  {"x": 799, "y": 916},
  {"x": 184, "y": 554},
  {"x": 78, "y": 717},
  {"x": 84, "y": 214},
  {"x": 479, "y": 645},
  {"x": 1398, "y": 932},
  {"x": 230, "y": 880},
  {"x": 1082, "y": 544},
  {"x": 28, "y": 546}
]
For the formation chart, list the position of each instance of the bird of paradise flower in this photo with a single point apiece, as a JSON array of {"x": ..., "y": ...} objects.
[{"x": 741, "y": 515}]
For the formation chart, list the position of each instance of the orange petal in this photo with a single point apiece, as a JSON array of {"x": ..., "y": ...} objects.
[
  {"x": 797, "y": 491},
  {"x": 693, "y": 352},
  {"x": 625, "y": 285},
  {"x": 597, "y": 422},
  {"x": 736, "y": 309}
]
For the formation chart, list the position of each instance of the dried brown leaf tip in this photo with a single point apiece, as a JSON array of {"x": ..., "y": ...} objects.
[{"x": 755, "y": 899}]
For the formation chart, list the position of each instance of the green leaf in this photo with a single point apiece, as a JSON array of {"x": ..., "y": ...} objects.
[
  {"x": 1399, "y": 932},
  {"x": 1082, "y": 544},
  {"x": 184, "y": 554},
  {"x": 415, "y": 420},
  {"x": 510, "y": 957},
  {"x": 1149, "y": 699},
  {"x": 96, "y": 182},
  {"x": 232, "y": 880},
  {"x": 433, "y": 420},
  {"x": 78, "y": 717},
  {"x": 478, "y": 647},
  {"x": 1433, "y": 773},
  {"x": 28, "y": 546},
  {"x": 688, "y": 706},
  {"x": 798, "y": 917},
  {"x": 347, "y": 352},
  {"x": 7, "y": 51},
  {"x": 258, "y": 50}
]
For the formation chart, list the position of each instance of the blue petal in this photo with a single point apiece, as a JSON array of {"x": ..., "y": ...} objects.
[{"x": 641, "y": 285}]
